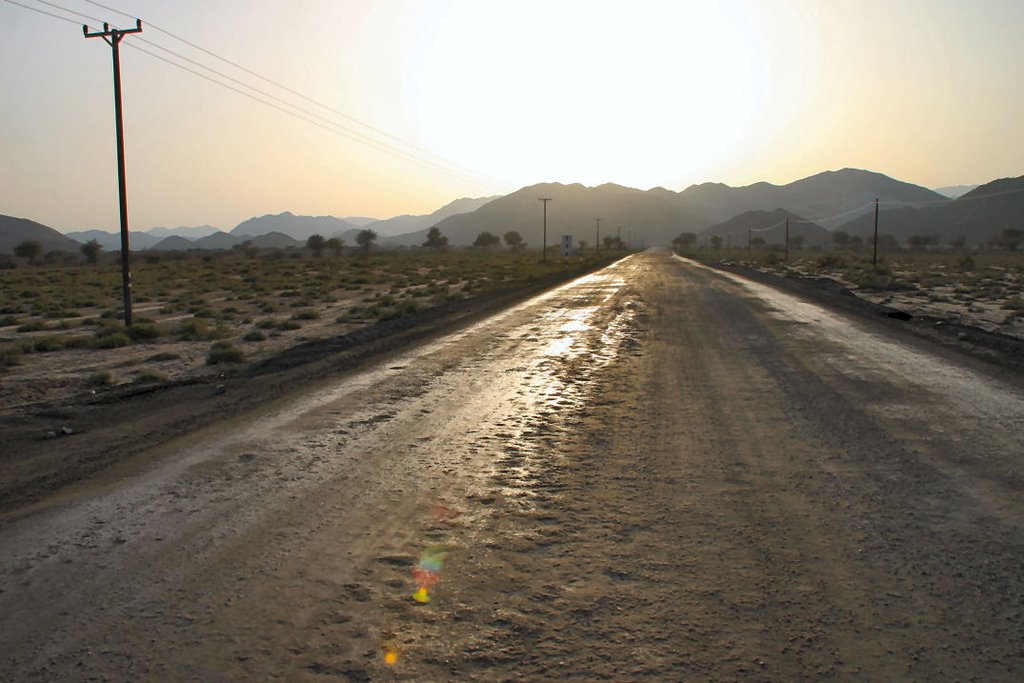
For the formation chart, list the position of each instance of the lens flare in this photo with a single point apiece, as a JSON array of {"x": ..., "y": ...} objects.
[{"x": 427, "y": 572}]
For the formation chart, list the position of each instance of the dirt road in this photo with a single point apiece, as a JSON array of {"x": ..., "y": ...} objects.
[{"x": 655, "y": 472}]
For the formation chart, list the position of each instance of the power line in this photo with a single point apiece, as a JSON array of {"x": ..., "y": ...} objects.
[
  {"x": 42, "y": 11},
  {"x": 301, "y": 95},
  {"x": 412, "y": 153}
]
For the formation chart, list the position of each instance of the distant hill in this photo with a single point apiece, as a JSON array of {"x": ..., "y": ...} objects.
[
  {"x": 403, "y": 225},
  {"x": 14, "y": 231},
  {"x": 977, "y": 217},
  {"x": 218, "y": 240},
  {"x": 274, "y": 240},
  {"x": 648, "y": 216},
  {"x": 174, "y": 243},
  {"x": 360, "y": 221},
  {"x": 297, "y": 227},
  {"x": 658, "y": 215},
  {"x": 191, "y": 233},
  {"x": 111, "y": 241},
  {"x": 828, "y": 198},
  {"x": 771, "y": 227},
  {"x": 955, "y": 191}
]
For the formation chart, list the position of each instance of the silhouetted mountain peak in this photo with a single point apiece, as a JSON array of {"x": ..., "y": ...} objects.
[{"x": 996, "y": 187}]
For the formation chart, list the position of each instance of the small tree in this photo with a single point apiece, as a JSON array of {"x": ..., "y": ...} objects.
[
  {"x": 435, "y": 240},
  {"x": 841, "y": 239},
  {"x": 316, "y": 244},
  {"x": 335, "y": 244},
  {"x": 91, "y": 251},
  {"x": 716, "y": 241},
  {"x": 513, "y": 240},
  {"x": 684, "y": 241},
  {"x": 365, "y": 239},
  {"x": 486, "y": 240},
  {"x": 30, "y": 249},
  {"x": 1009, "y": 239}
]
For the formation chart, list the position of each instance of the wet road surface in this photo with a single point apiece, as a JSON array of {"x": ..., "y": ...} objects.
[{"x": 656, "y": 471}]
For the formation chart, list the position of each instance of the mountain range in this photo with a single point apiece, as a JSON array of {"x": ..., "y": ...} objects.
[
  {"x": 815, "y": 205},
  {"x": 976, "y": 217}
]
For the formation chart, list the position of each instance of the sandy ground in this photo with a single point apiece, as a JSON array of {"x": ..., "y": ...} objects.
[{"x": 657, "y": 472}]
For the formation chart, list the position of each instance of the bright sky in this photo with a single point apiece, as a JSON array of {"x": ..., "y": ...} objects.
[{"x": 500, "y": 93}]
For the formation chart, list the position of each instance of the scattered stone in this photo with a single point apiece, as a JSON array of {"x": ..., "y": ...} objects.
[
  {"x": 67, "y": 431},
  {"x": 221, "y": 389}
]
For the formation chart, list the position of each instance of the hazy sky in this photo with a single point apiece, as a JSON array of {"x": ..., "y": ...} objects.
[{"x": 490, "y": 96}]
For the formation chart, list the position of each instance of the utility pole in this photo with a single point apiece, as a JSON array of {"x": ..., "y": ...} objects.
[
  {"x": 786, "y": 258},
  {"x": 598, "y": 241},
  {"x": 874, "y": 252},
  {"x": 113, "y": 38},
  {"x": 544, "y": 250}
]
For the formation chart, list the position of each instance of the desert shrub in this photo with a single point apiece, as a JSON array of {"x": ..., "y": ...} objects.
[
  {"x": 114, "y": 340},
  {"x": 966, "y": 262},
  {"x": 289, "y": 325},
  {"x": 99, "y": 378},
  {"x": 8, "y": 320},
  {"x": 163, "y": 356},
  {"x": 48, "y": 344},
  {"x": 1014, "y": 304},
  {"x": 831, "y": 261},
  {"x": 254, "y": 336},
  {"x": 150, "y": 377},
  {"x": 10, "y": 354},
  {"x": 193, "y": 329},
  {"x": 306, "y": 314},
  {"x": 397, "y": 311},
  {"x": 33, "y": 326},
  {"x": 266, "y": 324},
  {"x": 143, "y": 332},
  {"x": 224, "y": 352}
]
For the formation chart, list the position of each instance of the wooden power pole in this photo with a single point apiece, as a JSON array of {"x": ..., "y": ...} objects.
[
  {"x": 113, "y": 37},
  {"x": 544, "y": 252}
]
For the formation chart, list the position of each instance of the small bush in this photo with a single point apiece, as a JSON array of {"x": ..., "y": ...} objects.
[
  {"x": 143, "y": 332},
  {"x": 254, "y": 336},
  {"x": 289, "y": 325},
  {"x": 33, "y": 326},
  {"x": 163, "y": 356},
  {"x": 831, "y": 261},
  {"x": 306, "y": 314},
  {"x": 193, "y": 329},
  {"x": 111, "y": 341},
  {"x": 48, "y": 344},
  {"x": 10, "y": 355},
  {"x": 8, "y": 320},
  {"x": 1014, "y": 304},
  {"x": 224, "y": 352},
  {"x": 100, "y": 378}
]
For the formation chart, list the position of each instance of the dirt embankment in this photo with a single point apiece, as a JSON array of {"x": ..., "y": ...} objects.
[{"x": 969, "y": 340}]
